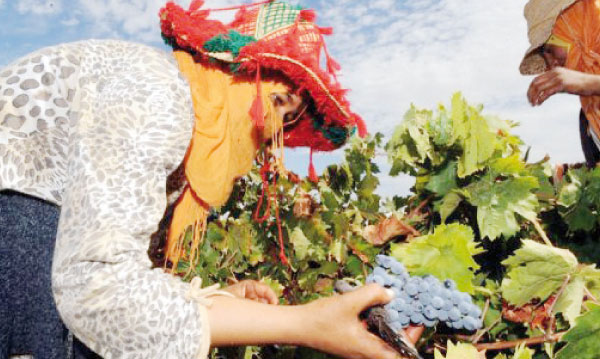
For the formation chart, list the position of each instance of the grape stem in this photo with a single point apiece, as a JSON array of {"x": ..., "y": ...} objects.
[
  {"x": 540, "y": 230},
  {"x": 590, "y": 295},
  {"x": 480, "y": 333}
]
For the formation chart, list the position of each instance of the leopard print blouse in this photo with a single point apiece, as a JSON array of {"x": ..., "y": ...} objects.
[{"x": 96, "y": 127}]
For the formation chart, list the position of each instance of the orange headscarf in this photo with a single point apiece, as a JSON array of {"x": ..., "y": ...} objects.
[
  {"x": 223, "y": 148},
  {"x": 579, "y": 25}
]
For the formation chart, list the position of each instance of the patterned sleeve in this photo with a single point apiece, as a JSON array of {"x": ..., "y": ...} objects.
[{"x": 134, "y": 127}]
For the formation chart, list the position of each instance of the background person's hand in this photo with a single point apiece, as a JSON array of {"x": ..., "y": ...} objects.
[
  {"x": 561, "y": 79},
  {"x": 337, "y": 328},
  {"x": 253, "y": 290}
]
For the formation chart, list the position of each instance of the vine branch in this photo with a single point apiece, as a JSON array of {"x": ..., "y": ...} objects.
[
  {"x": 514, "y": 343},
  {"x": 541, "y": 232}
]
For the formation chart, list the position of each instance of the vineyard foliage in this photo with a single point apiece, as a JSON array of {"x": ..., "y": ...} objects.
[{"x": 509, "y": 232}]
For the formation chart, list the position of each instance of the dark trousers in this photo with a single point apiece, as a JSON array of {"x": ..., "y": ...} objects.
[
  {"x": 590, "y": 150},
  {"x": 29, "y": 321}
]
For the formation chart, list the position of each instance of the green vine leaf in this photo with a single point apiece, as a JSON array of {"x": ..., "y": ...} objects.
[
  {"x": 536, "y": 271},
  {"x": 447, "y": 254},
  {"x": 582, "y": 340},
  {"x": 459, "y": 351},
  {"x": 498, "y": 202}
]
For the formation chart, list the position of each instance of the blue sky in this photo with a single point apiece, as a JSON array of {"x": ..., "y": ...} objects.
[{"x": 393, "y": 53}]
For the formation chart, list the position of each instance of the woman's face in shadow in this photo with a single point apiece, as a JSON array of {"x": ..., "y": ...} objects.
[
  {"x": 288, "y": 107},
  {"x": 555, "y": 56}
]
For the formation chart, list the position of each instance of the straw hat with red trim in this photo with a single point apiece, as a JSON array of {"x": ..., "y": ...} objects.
[
  {"x": 266, "y": 36},
  {"x": 541, "y": 16}
]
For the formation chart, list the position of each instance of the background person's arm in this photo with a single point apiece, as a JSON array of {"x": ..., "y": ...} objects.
[{"x": 562, "y": 80}]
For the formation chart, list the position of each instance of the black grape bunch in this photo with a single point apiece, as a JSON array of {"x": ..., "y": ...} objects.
[{"x": 423, "y": 300}]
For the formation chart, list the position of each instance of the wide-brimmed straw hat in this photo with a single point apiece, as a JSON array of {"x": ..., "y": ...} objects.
[
  {"x": 266, "y": 36},
  {"x": 541, "y": 15}
]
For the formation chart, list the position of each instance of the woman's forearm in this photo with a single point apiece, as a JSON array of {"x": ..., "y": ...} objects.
[
  {"x": 328, "y": 324},
  {"x": 235, "y": 321},
  {"x": 590, "y": 85}
]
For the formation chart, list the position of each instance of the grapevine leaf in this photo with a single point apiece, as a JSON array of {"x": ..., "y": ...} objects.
[
  {"x": 417, "y": 124},
  {"x": 440, "y": 128},
  {"x": 497, "y": 203},
  {"x": 580, "y": 218},
  {"x": 570, "y": 193},
  {"x": 337, "y": 250},
  {"x": 571, "y": 299},
  {"x": 473, "y": 133},
  {"x": 536, "y": 271},
  {"x": 447, "y": 254},
  {"x": 543, "y": 172},
  {"x": 410, "y": 145},
  {"x": 447, "y": 205},
  {"x": 579, "y": 196},
  {"x": 591, "y": 278},
  {"x": 302, "y": 246},
  {"x": 512, "y": 165},
  {"x": 522, "y": 352},
  {"x": 460, "y": 351},
  {"x": 444, "y": 180},
  {"x": 582, "y": 339}
]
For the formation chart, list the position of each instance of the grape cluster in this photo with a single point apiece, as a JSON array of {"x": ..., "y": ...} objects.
[{"x": 423, "y": 300}]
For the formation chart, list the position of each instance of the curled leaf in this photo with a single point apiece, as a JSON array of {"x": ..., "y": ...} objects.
[{"x": 387, "y": 229}]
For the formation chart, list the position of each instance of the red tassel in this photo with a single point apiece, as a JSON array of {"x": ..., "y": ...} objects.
[
  {"x": 312, "y": 174},
  {"x": 362, "y": 127},
  {"x": 326, "y": 30},
  {"x": 266, "y": 190},
  {"x": 332, "y": 66},
  {"x": 282, "y": 256},
  {"x": 196, "y": 4},
  {"x": 257, "y": 111}
]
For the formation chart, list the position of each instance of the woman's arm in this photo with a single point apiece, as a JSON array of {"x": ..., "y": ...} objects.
[
  {"x": 330, "y": 324},
  {"x": 561, "y": 79}
]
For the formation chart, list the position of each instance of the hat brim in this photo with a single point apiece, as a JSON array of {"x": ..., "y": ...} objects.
[{"x": 541, "y": 16}]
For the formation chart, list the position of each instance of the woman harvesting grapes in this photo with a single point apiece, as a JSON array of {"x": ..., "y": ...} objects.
[
  {"x": 96, "y": 128},
  {"x": 565, "y": 50}
]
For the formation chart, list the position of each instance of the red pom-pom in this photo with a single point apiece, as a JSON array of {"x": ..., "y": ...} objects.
[{"x": 308, "y": 15}]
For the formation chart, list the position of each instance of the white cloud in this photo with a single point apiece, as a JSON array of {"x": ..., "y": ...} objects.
[
  {"x": 136, "y": 19},
  {"x": 70, "y": 22},
  {"x": 423, "y": 51},
  {"x": 39, "y": 7},
  {"x": 400, "y": 52}
]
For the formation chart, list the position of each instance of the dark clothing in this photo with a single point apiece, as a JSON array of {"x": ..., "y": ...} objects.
[
  {"x": 590, "y": 150},
  {"x": 29, "y": 321}
]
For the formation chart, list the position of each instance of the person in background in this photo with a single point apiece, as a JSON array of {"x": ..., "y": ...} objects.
[
  {"x": 565, "y": 54},
  {"x": 96, "y": 128}
]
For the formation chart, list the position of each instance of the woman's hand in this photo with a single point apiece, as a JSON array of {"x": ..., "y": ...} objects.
[
  {"x": 253, "y": 290},
  {"x": 561, "y": 79},
  {"x": 337, "y": 329}
]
